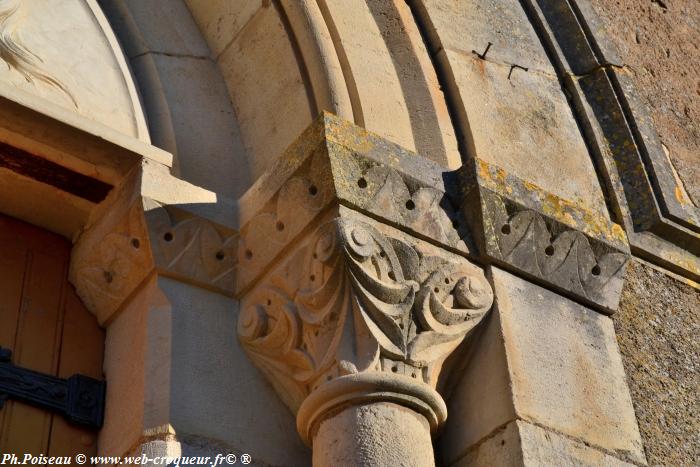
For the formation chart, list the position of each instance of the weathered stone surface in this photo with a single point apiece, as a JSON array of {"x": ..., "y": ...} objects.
[
  {"x": 402, "y": 101},
  {"x": 337, "y": 162},
  {"x": 267, "y": 85},
  {"x": 191, "y": 248},
  {"x": 180, "y": 38},
  {"x": 524, "y": 444},
  {"x": 657, "y": 329},
  {"x": 645, "y": 193},
  {"x": 502, "y": 449},
  {"x": 468, "y": 27},
  {"x": 565, "y": 365},
  {"x": 524, "y": 124},
  {"x": 518, "y": 225},
  {"x": 220, "y": 21},
  {"x": 372, "y": 435},
  {"x": 564, "y": 372},
  {"x": 655, "y": 41}
]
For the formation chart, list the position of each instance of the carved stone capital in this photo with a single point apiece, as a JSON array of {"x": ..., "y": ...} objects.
[{"x": 354, "y": 315}]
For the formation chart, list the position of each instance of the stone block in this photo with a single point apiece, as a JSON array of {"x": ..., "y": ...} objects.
[
  {"x": 174, "y": 32},
  {"x": 562, "y": 369},
  {"x": 524, "y": 444},
  {"x": 465, "y": 27},
  {"x": 267, "y": 88},
  {"x": 521, "y": 122},
  {"x": 220, "y": 21},
  {"x": 565, "y": 367},
  {"x": 195, "y": 122},
  {"x": 216, "y": 392},
  {"x": 478, "y": 393}
]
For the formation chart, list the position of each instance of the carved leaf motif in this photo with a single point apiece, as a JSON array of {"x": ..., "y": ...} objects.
[
  {"x": 563, "y": 256},
  {"x": 193, "y": 247},
  {"x": 431, "y": 213},
  {"x": 357, "y": 305}
]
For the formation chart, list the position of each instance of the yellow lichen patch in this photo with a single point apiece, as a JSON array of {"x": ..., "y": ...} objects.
[
  {"x": 570, "y": 213},
  {"x": 679, "y": 195}
]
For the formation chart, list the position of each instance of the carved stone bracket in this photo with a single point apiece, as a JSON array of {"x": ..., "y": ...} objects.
[
  {"x": 352, "y": 314},
  {"x": 139, "y": 236}
]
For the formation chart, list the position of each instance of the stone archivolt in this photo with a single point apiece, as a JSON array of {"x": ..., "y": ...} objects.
[{"x": 354, "y": 314}]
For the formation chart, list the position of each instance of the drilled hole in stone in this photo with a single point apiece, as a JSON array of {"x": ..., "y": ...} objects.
[
  {"x": 414, "y": 374},
  {"x": 329, "y": 377},
  {"x": 436, "y": 290},
  {"x": 313, "y": 190},
  {"x": 596, "y": 270},
  {"x": 382, "y": 254},
  {"x": 135, "y": 243},
  {"x": 447, "y": 280},
  {"x": 505, "y": 230},
  {"x": 410, "y": 205},
  {"x": 248, "y": 254},
  {"x": 168, "y": 236},
  {"x": 315, "y": 256},
  {"x": 269, "y": 302},
  {"x": 362, "y": 183},
  {"x": 549, "y": 251},
  {"x": 312, "y": 277},
  {"x": 280, "y": 226},
  {"x": 316, "y": 333},
  {"x": 109, "y": 277},
  {"x": 220, "y": 255},
  {"x": 392, "y": 276},
  {"x": 394, "y": 368}
]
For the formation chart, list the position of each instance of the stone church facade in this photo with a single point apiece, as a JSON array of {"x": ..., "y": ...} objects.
[{"x": 351, "y": 232}]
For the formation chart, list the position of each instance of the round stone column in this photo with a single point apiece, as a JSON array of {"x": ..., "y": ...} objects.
[
  {"x": 379, "y": 433},
  {"x": 352, "y": 329},
  {"x": 371, "y": 419}
]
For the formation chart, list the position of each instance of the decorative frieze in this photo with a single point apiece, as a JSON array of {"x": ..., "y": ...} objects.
[
  {"x": 112, "y": 258},
  {"x": 192, "y": 248},
  {"x": 472, "y": 212},
  {"x": 536, "y": 234},
  {"x": 353, "y": 308}
]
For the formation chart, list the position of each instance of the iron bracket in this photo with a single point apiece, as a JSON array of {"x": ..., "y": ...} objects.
[{"x": 80, "y": 399}]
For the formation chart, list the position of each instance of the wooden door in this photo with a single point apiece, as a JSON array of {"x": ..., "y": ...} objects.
[{"x": 49, "y": 330}]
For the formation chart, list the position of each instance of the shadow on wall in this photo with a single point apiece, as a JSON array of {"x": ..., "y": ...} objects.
[{"x": 187, "y": 104}]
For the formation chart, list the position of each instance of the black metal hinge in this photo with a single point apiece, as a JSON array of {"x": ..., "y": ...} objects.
[{"x": 80, "y": 399}]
